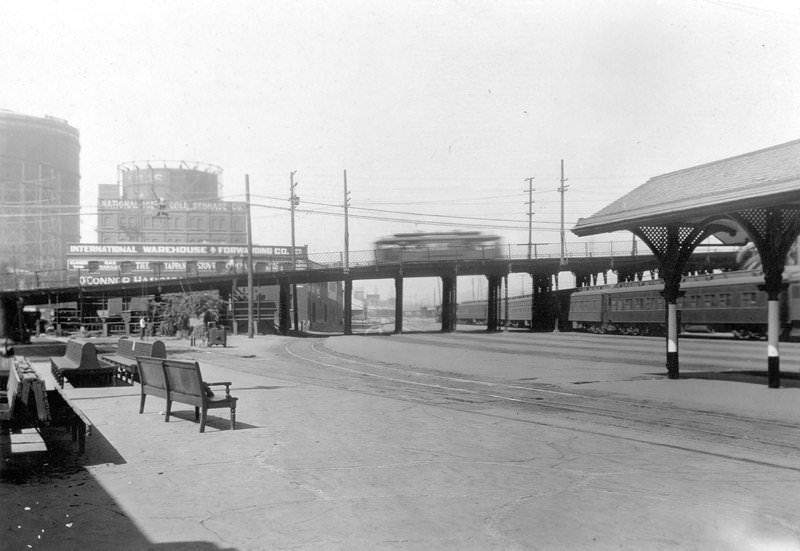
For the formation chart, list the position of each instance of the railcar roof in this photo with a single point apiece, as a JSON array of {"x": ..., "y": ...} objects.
[
  {"x": 695, "y": 195},
  {"x": 754, "y": 277}
]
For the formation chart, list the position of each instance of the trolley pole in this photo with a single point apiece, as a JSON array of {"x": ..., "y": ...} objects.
[
  {"x": 294, "y": 200},
  {"x": 250, "y": 328},
  {"x": 346, "y": 225},
  {"x": 530, "y": 214},
  {"x": 562, "y": 189}
]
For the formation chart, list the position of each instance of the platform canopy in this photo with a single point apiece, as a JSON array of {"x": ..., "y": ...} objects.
[
  {"x": 706, "y": 195},
  {"x": 751, "y": 197}
]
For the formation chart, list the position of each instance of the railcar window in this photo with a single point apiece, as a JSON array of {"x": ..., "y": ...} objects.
[
  {"x": 691, "y": 301},
  {"x": 615, "y": 305},
  {"x": 724, "y": 299},
  {"x": 637, "y": 303},
  {"x": 649, "y": 303},
  {"x": 749, "y": 298},
  {"x": 795, "y": 291},
  {"x": 626, "y": 304},
  {"x": 708, "y": 301}
]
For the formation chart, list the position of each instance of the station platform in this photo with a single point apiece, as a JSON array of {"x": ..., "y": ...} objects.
[{"x": 311, "y": 467}]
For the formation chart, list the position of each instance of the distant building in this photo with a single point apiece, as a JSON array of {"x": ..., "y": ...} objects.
[
  {"x": 165, "y": 220},
  {"x": 168, "y": 202},
  {"x": 39, "y": 191}
]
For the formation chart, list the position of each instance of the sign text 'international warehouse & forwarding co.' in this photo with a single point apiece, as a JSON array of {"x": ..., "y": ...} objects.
[
  {"x": 182, "y": 250},
  {"x": 102, "y": 264}
]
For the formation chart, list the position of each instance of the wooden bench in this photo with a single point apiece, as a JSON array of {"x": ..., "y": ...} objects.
[
  {"x": 124, "y": 359},
  {"x": 27, "y": 404},
  {"x": 181, "y": 381},
  {"x": 8, "y": 396},
  {"x": 23, "y": 403},
  {"x": 65, "y": 412},
  {"x": 80, "y": 365},
  {"x": 151, "y": 379}
]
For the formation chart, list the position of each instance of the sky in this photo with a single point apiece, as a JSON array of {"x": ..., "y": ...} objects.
[{"x": 437, "y": 110}]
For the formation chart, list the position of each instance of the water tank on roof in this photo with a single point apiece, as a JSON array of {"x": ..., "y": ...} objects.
[{"x": 169, "y": 180}]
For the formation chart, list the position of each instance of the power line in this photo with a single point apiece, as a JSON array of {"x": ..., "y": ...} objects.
[
  {"x": 406, "y": 213},
  {"x": 405, "y": 220}
]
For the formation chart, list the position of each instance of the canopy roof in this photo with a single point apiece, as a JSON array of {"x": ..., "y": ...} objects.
[{"x": 706, "y": 193}]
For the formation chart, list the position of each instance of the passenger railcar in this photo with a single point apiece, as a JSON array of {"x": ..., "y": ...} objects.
[
  {"x": 476, "y": 311},
  {"x": 728, "y": 302}
]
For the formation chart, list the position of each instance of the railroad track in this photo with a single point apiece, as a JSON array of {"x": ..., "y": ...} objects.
[{"x": 649, "y": 422}]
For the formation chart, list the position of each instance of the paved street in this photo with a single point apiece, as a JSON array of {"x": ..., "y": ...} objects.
[{"x": 431, "y": 441}]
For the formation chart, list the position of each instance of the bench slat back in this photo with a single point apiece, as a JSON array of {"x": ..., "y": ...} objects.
[
  {"x": 82, "y": 353},
  {"x": 151, "y": 373},
  {"x": 125, "y": 347},
  {"x": 155, "y": 349},
  {"x": 131, "y": 348},
  {"x": 184, "y": 377}
]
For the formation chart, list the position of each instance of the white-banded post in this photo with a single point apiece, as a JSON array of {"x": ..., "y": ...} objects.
[
  {"x": 773, "y": 231},
  {"x": 773, "y": 286}
]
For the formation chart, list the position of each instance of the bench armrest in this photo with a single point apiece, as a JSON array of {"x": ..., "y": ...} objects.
[{"x": 226, "y": 384}]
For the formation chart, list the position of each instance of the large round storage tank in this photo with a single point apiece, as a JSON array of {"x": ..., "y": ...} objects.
[
  {"x": 169, "y": 181},
  {"x": 39, "y": 191}
]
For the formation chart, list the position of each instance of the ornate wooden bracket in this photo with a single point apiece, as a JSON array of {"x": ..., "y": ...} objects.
[{"x": 773, "y": 231}]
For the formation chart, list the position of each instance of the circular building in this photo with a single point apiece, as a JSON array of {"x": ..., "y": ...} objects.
[{"x": 39, "y": 191}]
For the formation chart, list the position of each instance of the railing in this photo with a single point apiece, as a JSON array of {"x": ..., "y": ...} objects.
[
  {"x": 583, "y": 249},
  {"x": 49, "y": 279}
]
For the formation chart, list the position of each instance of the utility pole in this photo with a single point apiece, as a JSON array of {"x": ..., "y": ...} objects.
[
  {"x": 346, "y": 225},
  {"x": 562, "y": 189},
  {"x": 250, "y": 328},
  {"x": 294, "y": 200},
  {"x": 530, "y": 214}
]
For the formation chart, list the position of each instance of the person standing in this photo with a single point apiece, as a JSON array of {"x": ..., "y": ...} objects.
[{"x": 142, "y": 327}]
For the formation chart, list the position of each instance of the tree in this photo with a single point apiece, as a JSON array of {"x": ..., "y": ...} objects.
[{"x": 176, "y": 310}]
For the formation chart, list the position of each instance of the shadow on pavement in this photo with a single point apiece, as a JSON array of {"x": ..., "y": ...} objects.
[
  {"x": 214, "y": 422},
  {"x": 789, "y": 380},
  {"x": 50, "y": 501}
]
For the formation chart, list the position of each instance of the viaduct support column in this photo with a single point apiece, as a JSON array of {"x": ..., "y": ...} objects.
[
  {"x": 284, "y": 307},
  {"x": 541, "y": 302},
  {"x": 449, "y": 303},
  {"x": 348, "y": 306},
  {"x": 398, "y": 304},
  {"x": 11, "y": 326},
  {"x": 493, "y": 303}
]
